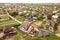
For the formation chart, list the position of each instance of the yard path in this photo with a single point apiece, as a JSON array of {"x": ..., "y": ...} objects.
[{"x": 13, "y": 18}]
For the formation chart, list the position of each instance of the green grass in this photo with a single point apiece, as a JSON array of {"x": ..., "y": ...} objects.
[
  {"x": 51, "y": 37},
  {"x": 44, "y": 24},
  {"x": 20, "y": 18},
  {"x": 9, "y": 24},
  {"x": 4, "y": 20}
]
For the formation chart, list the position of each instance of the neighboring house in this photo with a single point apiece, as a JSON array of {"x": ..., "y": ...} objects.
[
  {"x": 34, "y": 18},
  {"x": 1, "y": 10},
  {"x": 29, "y": 18},
  {"x": 50, "y": 25},
  {"x": 45, "y": 33},
  {"x": 25, "y": 11},
  {"x": 42, "y": 33},
  {"x": 19, "y": 13},
  {"x": 54, "y": 18},
  {"x": 55, "y": 11}
]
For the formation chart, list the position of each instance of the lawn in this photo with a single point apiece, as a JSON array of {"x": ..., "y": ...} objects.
[
  {"x": 20, "y": 18},
  {"x": 9, "y": 24}
]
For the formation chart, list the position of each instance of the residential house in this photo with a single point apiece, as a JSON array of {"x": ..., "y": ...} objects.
[
  {"x": 34, "y": 18},
  {"x": 26, "y": 27},
  {"x": 29, "y": 18},
  {"x": 54, "y": 18},
  {"x": 42, "y": 33},
  {"x": 50, "y": 25},
  {"x": 55, "y": 11}
]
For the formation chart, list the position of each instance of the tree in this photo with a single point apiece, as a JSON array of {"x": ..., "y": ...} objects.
[
  {"x": 14, "y": 13},
  {"x": 23, "y": 14}
]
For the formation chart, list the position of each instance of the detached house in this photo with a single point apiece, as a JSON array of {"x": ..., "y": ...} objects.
[
  {"x": 42, "y": 33},
  {"x": 26, "y": 27},
  {"x": 54, "y": 18},
  {"x": 29, "y": 19},
  {"x": 50, "y": 25}
]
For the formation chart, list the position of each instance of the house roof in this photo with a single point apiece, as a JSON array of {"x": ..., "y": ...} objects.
[
  {"x": 55, "y": 16},
  {"x": 25, "y": 25},
  {"x": 51, "y": 23},
  {"x": 43, "y": 33}
]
